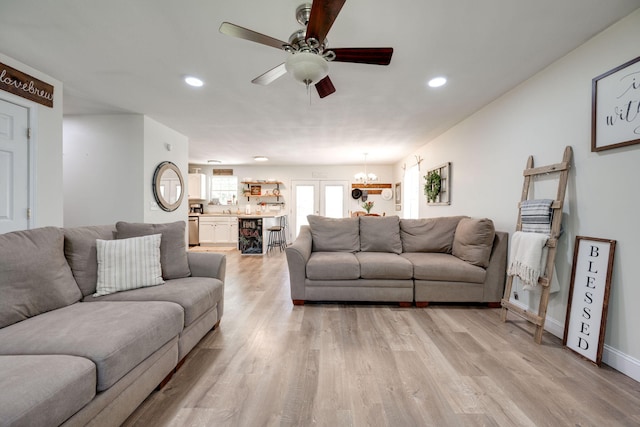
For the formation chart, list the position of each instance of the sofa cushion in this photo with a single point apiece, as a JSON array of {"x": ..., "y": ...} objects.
[
  {"x": 44, "y": 390},
  {"x": 81, "y": 253},
  {"x": 333, "y": 266},
  {"x": 380, "y": 265},
  {"x": 473, "y": 241},
  {"x": 196, "y": 295},
  {"x": 444, "y": 267},
  {"x": 428, "y": 234},
  {"x": 173, "y": 247},
  {"x": 380, "y": 234},
  {"x": 34, "y": 274},
  {"x": 128, "y": 264},
  {"x": 334, "y": 234},
  {"x": 115, "y": 336}
]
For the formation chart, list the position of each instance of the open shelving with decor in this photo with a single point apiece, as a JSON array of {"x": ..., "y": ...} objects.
[{"x": 255, "y": 189}]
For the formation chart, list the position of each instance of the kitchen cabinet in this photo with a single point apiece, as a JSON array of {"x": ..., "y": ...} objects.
[
  {"x": 218, "y": 230},
  {"x": 197, "y": 186}
]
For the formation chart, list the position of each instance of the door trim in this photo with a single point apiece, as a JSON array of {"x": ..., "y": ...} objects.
[{"x": 32, "y": 120}]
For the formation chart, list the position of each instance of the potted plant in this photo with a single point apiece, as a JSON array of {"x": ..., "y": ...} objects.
[{"x": 368, "y": 206}]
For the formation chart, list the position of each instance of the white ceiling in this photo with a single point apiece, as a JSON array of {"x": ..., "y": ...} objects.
[{"x": 127, "y": 56}]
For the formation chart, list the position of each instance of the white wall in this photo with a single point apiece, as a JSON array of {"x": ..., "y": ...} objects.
[
  {"x": 103, "y": 169},
  {"x": 46, "y": 138},
  {"x": 540, "y": 117},
  {"x": 162, "y": 144},
  {"x": 109, "y": 161}
]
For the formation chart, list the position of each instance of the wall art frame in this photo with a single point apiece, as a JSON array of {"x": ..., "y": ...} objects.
[
  {"x": 615, "y": 107},
  {"x": 586, "y": 320},
  {"x": 444, "y": 195}
]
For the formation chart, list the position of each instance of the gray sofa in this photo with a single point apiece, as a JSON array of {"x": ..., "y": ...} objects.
[
  {"x": 388, "y": 259},
  {"x": 69, "y": 356}
]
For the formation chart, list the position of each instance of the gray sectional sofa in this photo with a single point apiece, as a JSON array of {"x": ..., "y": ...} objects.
[
  {"x": 388, "y": 259},
  {"x": 78, "y": 349}
]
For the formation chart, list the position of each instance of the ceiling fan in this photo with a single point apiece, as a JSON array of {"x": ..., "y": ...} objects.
[{"x": 310, "y": 57}]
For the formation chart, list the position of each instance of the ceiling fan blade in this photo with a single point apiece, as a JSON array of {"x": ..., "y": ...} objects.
[
  {"x": 364, "y": 55},
  {"x": 271, "y": 75},
  {"x": 323, "y": 13},
  {"x": 247, "y": 34},
  {"x": 325, "y": 87}
]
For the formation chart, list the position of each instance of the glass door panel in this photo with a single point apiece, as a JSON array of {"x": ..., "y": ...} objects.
[
  {"x": 333, "y": 201},
  {"x": 306, "y": 201},
  {"x": 326, "y": 198}
]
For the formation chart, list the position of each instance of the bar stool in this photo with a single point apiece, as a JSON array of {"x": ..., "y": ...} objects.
[{"x": 277, "y": 235}]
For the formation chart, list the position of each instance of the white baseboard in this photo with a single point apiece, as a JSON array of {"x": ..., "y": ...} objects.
[
  {"x": 621, "y": 362},
  {"x": 554, "y": 327},
  {"x": 610, "y": 356}
]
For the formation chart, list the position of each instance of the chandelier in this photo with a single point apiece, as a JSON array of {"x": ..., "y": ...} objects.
[{"x": 365, "y": 177}]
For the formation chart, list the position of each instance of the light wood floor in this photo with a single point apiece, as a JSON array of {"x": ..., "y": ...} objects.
[{"x": 271, "y": 364}]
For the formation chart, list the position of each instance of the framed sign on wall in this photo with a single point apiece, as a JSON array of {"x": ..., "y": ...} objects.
[
  {"x": 586, "y": 319},
  {"x": 615, "y": 100}
]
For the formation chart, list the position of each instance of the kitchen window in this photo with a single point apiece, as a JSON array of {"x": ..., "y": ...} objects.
[{"x": 223, "y": 190}]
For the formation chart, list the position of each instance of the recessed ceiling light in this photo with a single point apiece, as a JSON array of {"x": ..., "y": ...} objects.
[
  {"x": 193, "y": 81},
  {"x": 437, "y": 82},
  {"x": 260, "y": 158},
  {"x": 214, "y": 161}
]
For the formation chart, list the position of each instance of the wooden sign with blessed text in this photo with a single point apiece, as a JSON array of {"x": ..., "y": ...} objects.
[
  {"x": 25, "y": 86},
  {"x": 589, "y": 297}
]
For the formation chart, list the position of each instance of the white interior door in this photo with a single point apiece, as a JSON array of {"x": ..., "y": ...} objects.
[
  {"x": 14, "y": 167},
  {"x": 326, "y": 198}
]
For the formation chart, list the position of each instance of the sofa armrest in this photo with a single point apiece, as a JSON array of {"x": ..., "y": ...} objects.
[
  {"x": 497, "y": 269},
  {"x": 297, "y": 256},
  {"x": 207, "y": 264}
]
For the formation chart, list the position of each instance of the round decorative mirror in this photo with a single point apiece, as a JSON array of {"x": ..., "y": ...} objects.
[{"x": 168, "y": 186}]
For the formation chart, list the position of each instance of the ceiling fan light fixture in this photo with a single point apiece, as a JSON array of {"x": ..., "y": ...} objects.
[{"x": 307, "y": 68}]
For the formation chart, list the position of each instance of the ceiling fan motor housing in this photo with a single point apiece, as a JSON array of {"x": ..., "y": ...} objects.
[{"x": 303, "y": 12}]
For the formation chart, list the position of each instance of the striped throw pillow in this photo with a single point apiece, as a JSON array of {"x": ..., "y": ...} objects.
[{"x": 127, "y": 264}]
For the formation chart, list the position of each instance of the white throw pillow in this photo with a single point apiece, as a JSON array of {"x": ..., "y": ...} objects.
[{"x": 127, "y": 264}]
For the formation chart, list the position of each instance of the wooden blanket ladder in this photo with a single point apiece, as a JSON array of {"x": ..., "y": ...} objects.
[{"x": 562, "y": 169}]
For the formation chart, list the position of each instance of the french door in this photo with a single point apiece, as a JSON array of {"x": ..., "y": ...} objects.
[{"x": 326, "y": 198}]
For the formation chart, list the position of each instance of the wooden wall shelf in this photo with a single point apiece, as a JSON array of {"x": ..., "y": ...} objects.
[
  {"x": 254, "y": 189},
  {"x": 371, "y": 188}
]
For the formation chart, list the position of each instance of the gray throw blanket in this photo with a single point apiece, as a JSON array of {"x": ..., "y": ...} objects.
[{"x": 536, "y": 216}]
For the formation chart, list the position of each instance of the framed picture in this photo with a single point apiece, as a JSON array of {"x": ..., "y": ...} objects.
[
  {"x": 615, "y": 107},
  {"x": 398, "y": 193},
  {"x": 256, "y": 190},
  {"x": 586, "y": 320}
]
